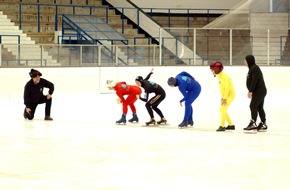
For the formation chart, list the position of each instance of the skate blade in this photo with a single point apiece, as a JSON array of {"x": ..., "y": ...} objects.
[
  {"x": 263, "y": 131},
  {"x": 120, "y": 123},
  {"x": 250, "y": 131},
  {"x": 164, "y": 124},
  {"x": 150, "y": 125}
]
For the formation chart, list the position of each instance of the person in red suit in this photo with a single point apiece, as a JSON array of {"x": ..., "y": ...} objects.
[{"x": 133, "y": 92}]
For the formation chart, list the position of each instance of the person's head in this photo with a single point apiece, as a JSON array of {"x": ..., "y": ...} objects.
[
  {"x": 172, "y": 82},
  {"x": 249, "y": 61},
  {"x": 139, "y": 81},
  {"x": 111, "y": 84},
  {"x": 216, "y": 67},
  {"x": 35, "y": 75}
]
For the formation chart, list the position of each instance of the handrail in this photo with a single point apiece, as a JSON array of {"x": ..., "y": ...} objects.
[{"x": 18, "y": 37}]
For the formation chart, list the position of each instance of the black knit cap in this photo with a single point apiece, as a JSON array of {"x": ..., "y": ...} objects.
[
  {"x": 34, "y": 73},
  {"x": 139, "y": 78},
  {"x": 171, "y": 81}
]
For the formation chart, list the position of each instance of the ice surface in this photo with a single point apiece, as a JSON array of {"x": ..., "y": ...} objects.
[{"x": 83, "y": 149}]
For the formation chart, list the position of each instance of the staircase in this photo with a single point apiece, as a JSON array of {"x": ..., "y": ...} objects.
[
  {"x": 24, "y": 52},
  {"x": 277, "y": 23},
  {"x": 178, "y": 49}
]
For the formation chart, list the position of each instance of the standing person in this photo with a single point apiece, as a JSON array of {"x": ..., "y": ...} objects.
[
  {"x": 33, "y": 95},
  {"x": 190, "y": 90},
  {"x": 256, "y": 92},
  {"x": 152, "y": 87},
  {"x": 133, "y": 93},
  {"x": 227, "y": 92}
]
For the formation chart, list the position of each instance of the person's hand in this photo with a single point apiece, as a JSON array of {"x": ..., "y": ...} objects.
[
  {"x": 48, "y": 96},
  {"x": 152, "y": 70},
  {"x": 223, "y": 102},
  {"x": 180, "y": 104},
  {"x": 28, "y": 110},
  {"x": 118, "y": 101},
  {"x": 137, "y": 96},
  {"x": 250, "y": 94}
]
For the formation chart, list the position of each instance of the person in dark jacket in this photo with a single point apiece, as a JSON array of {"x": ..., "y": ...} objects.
[
  {"x": 152, "y": 87},
  {"x": 190, "y": 89},
  {"x": 256, "y": 92},
  {"x": 33, "y": 95}
]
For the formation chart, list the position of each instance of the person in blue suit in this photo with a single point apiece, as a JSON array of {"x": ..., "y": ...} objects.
[{"x": 190, "y": 90}]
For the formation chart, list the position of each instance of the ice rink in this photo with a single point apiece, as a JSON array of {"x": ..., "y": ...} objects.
[{"x": 83, "y": 149}]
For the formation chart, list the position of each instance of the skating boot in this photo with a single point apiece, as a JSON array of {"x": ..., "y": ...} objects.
[
  {"x": 151, "y": 121},
  {"x": 162, "y": 121},
  {"x": 134, "y": 118},
  {"x": 190, "y": 122},
  {"x": 122, "y": 120},
  {"x": 230, "y": 127},
  {"x": 183, "y": 124},
  {"x": 252, "y": 126},
  {"x": 262, "y": 127},
  {"x": 48, "y": 118},
  {"x": 221, "y": 129}
]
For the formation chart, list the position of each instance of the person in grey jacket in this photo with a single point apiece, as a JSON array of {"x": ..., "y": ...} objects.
[{"x": 256, "y": 92}]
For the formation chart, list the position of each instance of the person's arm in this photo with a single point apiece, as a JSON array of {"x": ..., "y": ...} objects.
[
  {"x": 182, "y": 89},
  {"x": 120, "y": 89},
  {"x": 254, "y": 82},
  {"x": 145, "y": 99},
  {"x": 148, "y": 76},
  {"x": 27, "y": 96},
  {"x": 49, "y": 85}
]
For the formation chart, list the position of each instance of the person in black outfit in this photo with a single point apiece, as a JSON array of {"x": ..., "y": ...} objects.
[
  {"x": 152, "y": 87},
  {"x": 33, "y": 95},
  {"x": 257, "y": 92}
]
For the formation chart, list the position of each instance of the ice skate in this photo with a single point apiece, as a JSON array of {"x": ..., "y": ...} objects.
[
  {"x": 151, "y": 121},
  {"x": 221, "y": 129},
  {"x": 252, "y": 127},
  {"x": 262, "y": 127},
  {"x": 183, "y": 124},
  {"x": 122, "y": 120},
  {"x": 134, "y": 118},
  {"x": 162, "y": 121},
  {"x": 190, "y": 122},
  {"x": 230, "y": 127}
]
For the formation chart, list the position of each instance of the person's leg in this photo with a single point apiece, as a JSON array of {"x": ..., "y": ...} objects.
[
  {"x": 155, "y": 101},
  {"x": 149, "y": 109},
  {"x": 261, "y": 111},
  {"x": 255, "y": 102},
  {"x": 188, "y": 104},
  {"x": 188, "y": 113},
  {"x": 130, "y": 100},
  {"x": 47, "y": 102}
]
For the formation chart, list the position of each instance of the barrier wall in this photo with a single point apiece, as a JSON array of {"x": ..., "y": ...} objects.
[
  {"x": 93, "y": 79},
  {"x": 81, "y": 93}
]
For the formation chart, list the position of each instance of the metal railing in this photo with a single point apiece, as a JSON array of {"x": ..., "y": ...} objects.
[{"x": 197, "y": 47}]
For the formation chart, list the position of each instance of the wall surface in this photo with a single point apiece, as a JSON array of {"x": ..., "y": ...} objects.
[
  {"x": 93, "y": 79},
  {"x": 84, "y": 90}
]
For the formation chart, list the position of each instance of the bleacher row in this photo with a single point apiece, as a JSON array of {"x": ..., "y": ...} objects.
[{"x": 211, "y": 44}]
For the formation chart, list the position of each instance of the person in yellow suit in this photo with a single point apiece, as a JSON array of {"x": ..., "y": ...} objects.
[{"x": 227, "y": 92}]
